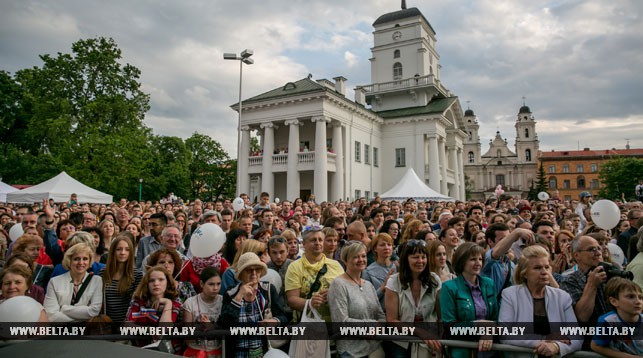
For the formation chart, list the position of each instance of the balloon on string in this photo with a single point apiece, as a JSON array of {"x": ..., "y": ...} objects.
[
  {"x": 276, "y": 200},
  {"x": 20, "y": 309},
  {"x": 15, "y": 232},
  {"x": 542, "y": 196},
  {"x": 605, "y": 214},
  {"x": 238, "y": 204},
  {"x": 206, "y": 240}
]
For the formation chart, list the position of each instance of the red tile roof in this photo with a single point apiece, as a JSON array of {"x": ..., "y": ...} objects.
[{"x": 591, "y": 153}]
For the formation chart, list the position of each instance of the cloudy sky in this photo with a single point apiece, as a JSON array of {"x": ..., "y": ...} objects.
[{"x": 578, "y": 63}]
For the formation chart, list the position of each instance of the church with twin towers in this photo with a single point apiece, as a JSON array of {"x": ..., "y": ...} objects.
[{"x": 313, "y": 140}]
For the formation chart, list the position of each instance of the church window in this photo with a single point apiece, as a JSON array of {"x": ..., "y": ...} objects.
[
  {"x": 396, "y": 54},
  {"x": 553, "y": 183},
  {"x": 397, "y": 71},
  {"x": 470, "y": 134},
  {"x": 526, "y": 132},
  {"x": 500, "y": 179},
  {"x": 471, "y": 160},
  {"x": 580, "y": 182},
  {"x": 498, "y": 153},
  {"x": 528, "y": 155}
]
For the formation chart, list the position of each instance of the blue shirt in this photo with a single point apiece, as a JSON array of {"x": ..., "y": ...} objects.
[
  {"x": 497, "y": 270},
  {"x": 619, "y": 343}
]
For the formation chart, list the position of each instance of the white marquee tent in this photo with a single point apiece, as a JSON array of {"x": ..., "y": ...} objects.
[
  {"x": 4, "y": 190},
  {"x": 60, "y": 189},
  {"x": 411, "y": 186}
]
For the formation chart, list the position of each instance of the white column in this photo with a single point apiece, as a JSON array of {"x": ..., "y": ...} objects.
[
  {"x": 292, "y": 177},
  {"x": 243, "y": 181},
  {"x": 337, "y": 187},
  {"x": 434, "y": 164},
  {"x": 267, "y": 178},
  {"x": 453, "y": 164},
  {"x": 321, "y": 160},
  {"x": 443, "y": 164},
  {"x": 460, "y": 161},
  {"x": 419, "y": 156}
]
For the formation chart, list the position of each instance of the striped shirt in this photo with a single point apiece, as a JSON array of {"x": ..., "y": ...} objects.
[{"x": 116, "y": 305}]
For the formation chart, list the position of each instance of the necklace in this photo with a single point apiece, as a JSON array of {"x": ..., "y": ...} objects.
[{"x": 357, "y": 282}]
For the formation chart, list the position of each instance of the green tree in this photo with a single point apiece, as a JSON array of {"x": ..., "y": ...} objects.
[
  {"x": 212, "y": 173},
  {"x": 619, "y": 176},
  {"x": 541, "y": 179},
  {"x": 81, "y": 112}
]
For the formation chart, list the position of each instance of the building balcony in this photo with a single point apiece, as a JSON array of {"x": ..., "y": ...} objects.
[
  {"x": 407, "y": 83},
  {"x": 305, "y": 161}
]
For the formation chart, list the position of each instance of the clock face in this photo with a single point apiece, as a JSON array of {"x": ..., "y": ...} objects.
[{"x": 397, "y": 35}]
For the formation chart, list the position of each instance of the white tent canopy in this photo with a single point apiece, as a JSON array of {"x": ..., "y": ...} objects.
[
  {"x": 411, "y": 186},
  {"x": 4, "y": 190},
  {"x": 60, "y": 189}
]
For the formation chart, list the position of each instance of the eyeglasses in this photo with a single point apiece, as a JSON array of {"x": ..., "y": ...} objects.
[
  {"x": 313, "y": 228},
  {"x": 593, "y": 250},
  {"x": 416, "y": 243}
]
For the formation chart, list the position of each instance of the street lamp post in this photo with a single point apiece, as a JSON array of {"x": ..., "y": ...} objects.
[
  {"x": 244, "y": 57},
  {"x": 140, "y": 189}
]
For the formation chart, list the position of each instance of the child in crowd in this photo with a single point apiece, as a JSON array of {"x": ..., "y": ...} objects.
[
  {"x": 627, "y": 299},
  {"x": 205, "y": 308}
]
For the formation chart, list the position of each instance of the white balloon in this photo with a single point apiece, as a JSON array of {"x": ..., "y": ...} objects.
[
  {"x": 276, "y": 200},
  {"x": 275, "y": 353},
  {"x": 20, "y": 309},
  {"x": 605, "y": 214},
  {"x": 542, "y": 196},
  {"x": 15, "y": 232},
  {"x": 206, "y": 240},
  {"x": 238, "y": 204}
]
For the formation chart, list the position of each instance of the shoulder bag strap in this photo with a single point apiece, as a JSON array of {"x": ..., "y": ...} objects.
[{"x": 75, "y": 298}]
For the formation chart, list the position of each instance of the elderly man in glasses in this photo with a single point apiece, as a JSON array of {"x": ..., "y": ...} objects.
[{"x": 586, "y": 284}]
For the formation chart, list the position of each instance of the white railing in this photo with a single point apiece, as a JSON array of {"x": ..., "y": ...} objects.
[
  {"x": 422, "y": 81},
  {"x": 254, "y": 161},
  {"x": 280, "y": 159},
  {"x": 306, "y": 157}
]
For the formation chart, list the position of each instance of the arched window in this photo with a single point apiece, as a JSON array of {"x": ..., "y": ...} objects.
[
  {"x": 580, "y": 182},
  {"x": 528, "y": 155},
  {"x": 396, "y": 54},
  {"x": 553, "y": 183},
  {"x": 471, "y": 160},
  {"x": 498, "y": 153},
  {"x": 526, "y": 132},
  {"x": 397, "y": 71}
]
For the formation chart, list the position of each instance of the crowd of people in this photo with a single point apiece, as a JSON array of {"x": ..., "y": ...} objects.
[{"x": 501, "y": 261}]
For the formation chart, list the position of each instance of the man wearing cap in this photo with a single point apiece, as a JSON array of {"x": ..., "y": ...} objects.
[
  {"x": 583, "y": 204},
  {"x": 524, "y": 212}
]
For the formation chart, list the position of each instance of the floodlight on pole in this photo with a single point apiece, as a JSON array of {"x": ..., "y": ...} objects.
[{"x": 244, "y": 57}]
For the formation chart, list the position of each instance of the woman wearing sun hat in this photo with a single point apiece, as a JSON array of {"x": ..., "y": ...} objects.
[{"x": 248, "y": 303}]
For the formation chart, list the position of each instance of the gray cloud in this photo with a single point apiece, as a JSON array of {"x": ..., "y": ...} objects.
[{"x": 577, "y": 62}]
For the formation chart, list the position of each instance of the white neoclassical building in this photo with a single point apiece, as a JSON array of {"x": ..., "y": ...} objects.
[{"x": 315, "y": 140}]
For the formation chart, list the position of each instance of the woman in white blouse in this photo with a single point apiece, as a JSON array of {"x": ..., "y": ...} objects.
[{"x": 75, "y": 295}]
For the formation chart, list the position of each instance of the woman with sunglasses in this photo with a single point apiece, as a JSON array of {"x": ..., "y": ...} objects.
[
  {"x": 249, "y": 302},
  {"x": 354, "y": 300},
  {"x": 309, "y": 277},
  {"x": 228, "y": 279},
  {"x": 411, "y": 296}
]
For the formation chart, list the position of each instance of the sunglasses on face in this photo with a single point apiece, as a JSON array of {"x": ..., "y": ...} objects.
[
  {"x": 416, "y": 243},
  {"x": 313, "y": 228}
]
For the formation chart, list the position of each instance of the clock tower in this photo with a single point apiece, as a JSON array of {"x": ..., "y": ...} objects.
[{"x": 405, "y": 68}]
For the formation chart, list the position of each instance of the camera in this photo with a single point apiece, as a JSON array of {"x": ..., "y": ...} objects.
[{"x": 613, "y": 271}]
